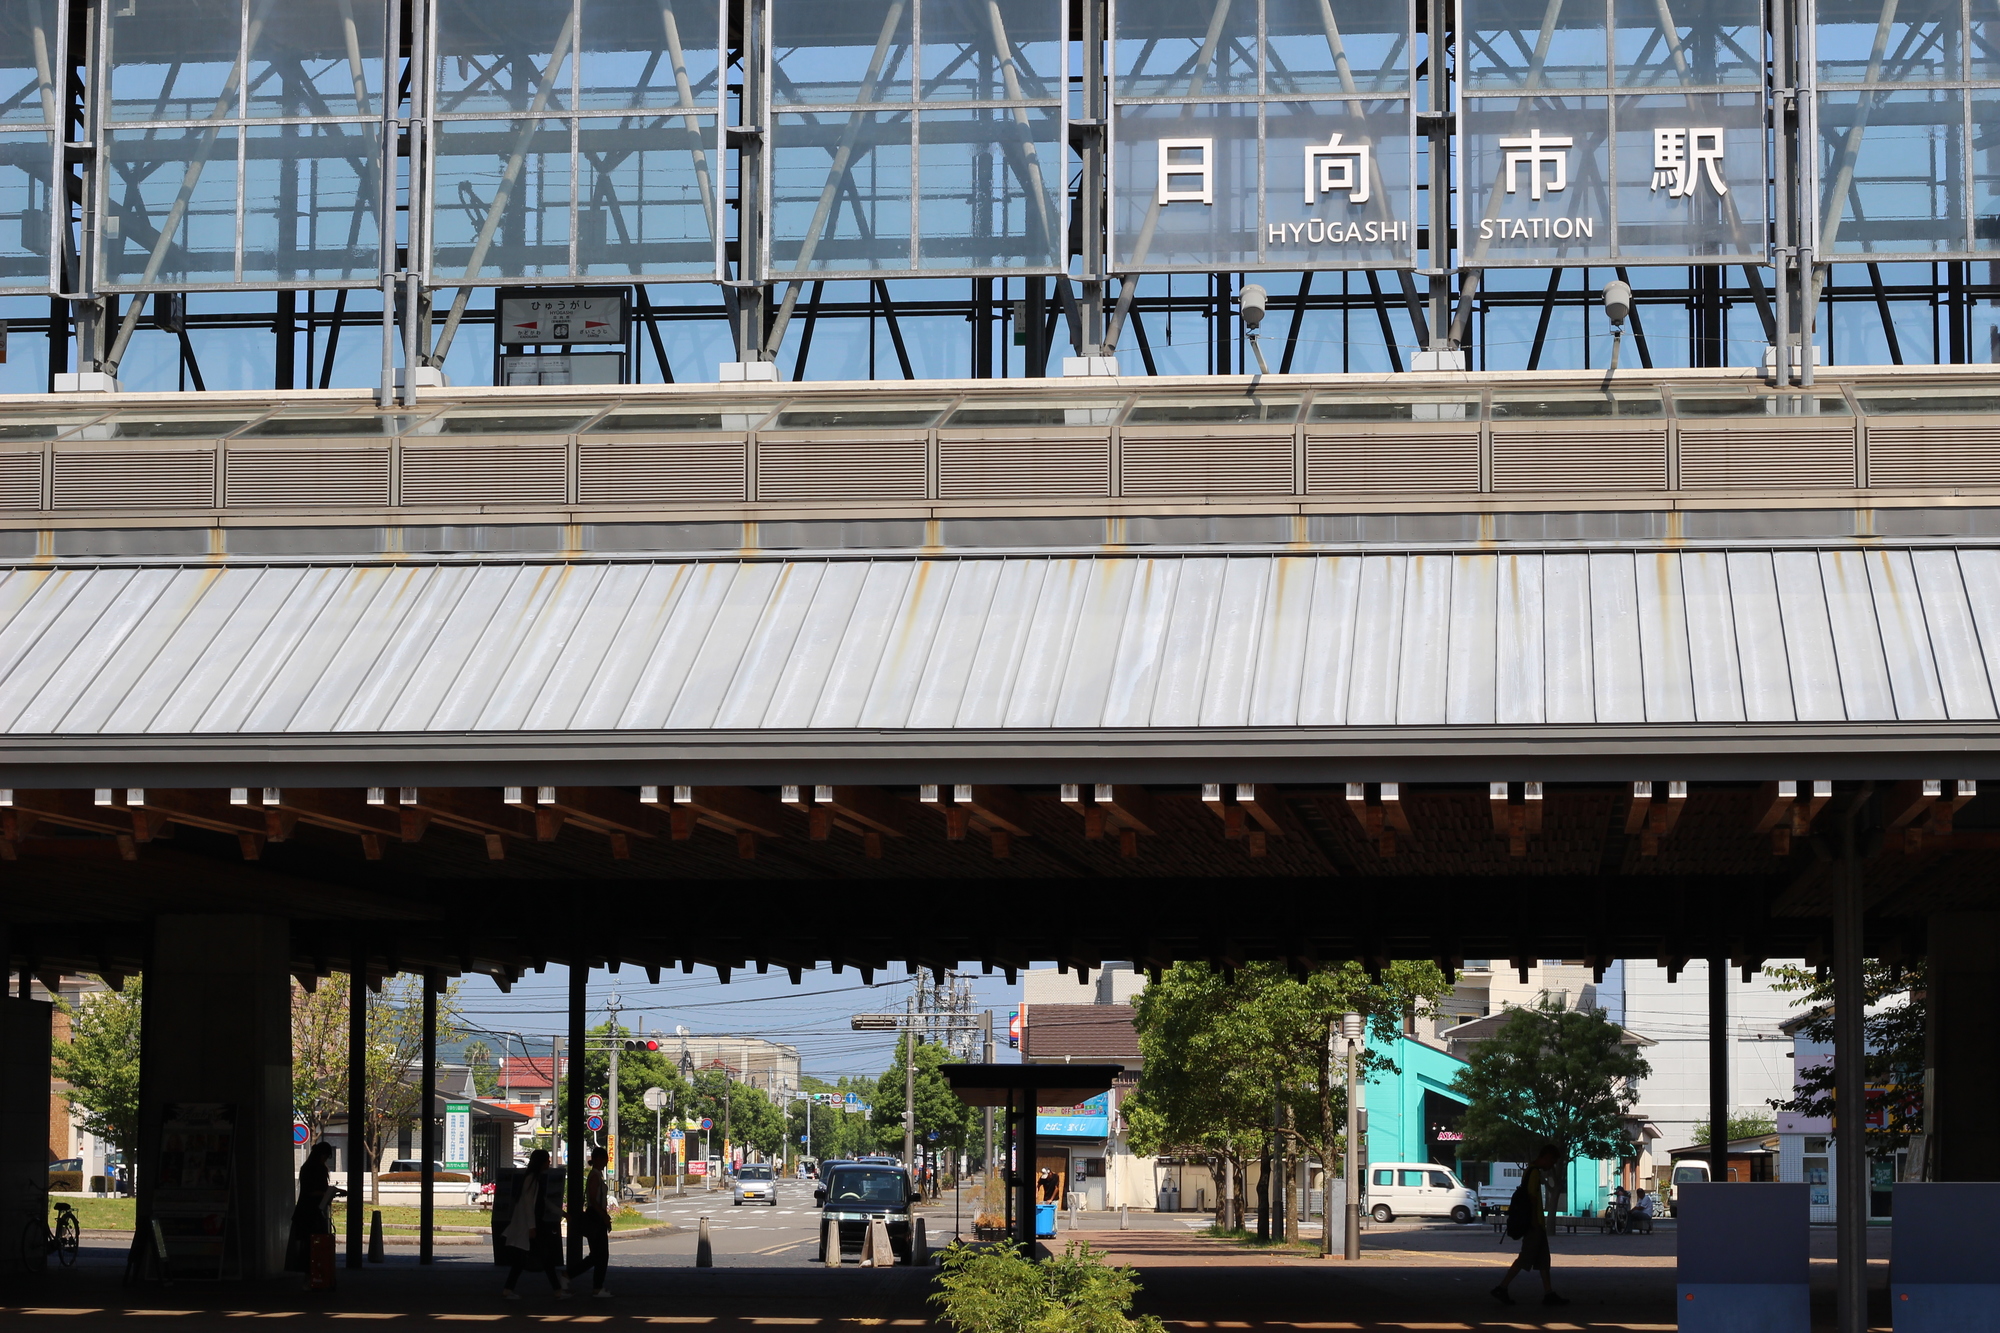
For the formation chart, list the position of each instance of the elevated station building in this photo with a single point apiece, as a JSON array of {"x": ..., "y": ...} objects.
[{"x": 1604, "y": 593}]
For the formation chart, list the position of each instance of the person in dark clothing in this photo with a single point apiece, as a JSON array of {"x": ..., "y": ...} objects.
[
  {"x": 1535, "y": 1239},
  {"x": 309, "y": 1214},
  {"x": 596, "y": 1226},
  {"x": 533, "y": 1236}
]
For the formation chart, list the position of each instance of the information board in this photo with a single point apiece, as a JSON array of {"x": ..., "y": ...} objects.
[{"x": 458, "y": 1136}]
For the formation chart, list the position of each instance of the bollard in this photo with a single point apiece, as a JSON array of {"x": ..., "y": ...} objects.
[
  {"x": 830, "y": 1243},
  {"x": 1124, "y": 1217},
  {"x": 920, "y": 1245},
  {"x": 704, "y": 1253},
  {"x": 375, "y": 1255}
]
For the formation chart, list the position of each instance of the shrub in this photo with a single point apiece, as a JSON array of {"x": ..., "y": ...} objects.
[{"x": 998, "y": 1289}]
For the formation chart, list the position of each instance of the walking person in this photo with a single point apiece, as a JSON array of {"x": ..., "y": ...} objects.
[
  {"x": 310, "y": 1214},
  {"x": 533, "y": 1236},
  {"x": 596, "y": 1226},
  {"x": 1526, "y": 1220}
]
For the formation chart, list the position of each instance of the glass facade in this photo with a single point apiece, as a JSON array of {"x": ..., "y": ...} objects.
[
  {"x": 31, "y": 59},
  {"x": 1250, "y": 134},
  {"x": 240, "y": 143},
  {"x": 575, "y": 139},
  {"x": 1612, "y": 132},
  {"x": 916, "y": 135},
  {"x": 1905, "y": 169}
]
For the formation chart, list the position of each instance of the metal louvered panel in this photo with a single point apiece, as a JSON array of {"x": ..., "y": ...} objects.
[
  {"x": 1379, "y": 463},
  {"x": 482, "y": 474},
  {"x": 1933, "y": 456},
  {"x": 20, "y": 481},
  {"x": 710, "y": 470},
  {"x": 1023, "y": 468},
  {"x": 1205, "y": 465},
  {"x": 1556, "y": 459},
  {"x": 841, "y": 469},
  {"x": 1726, "y": 459},
  {"x": 306, "y": 476},
  {"x": 135, "y": 479}
]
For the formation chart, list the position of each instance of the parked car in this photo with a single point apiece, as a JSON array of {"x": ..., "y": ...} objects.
[
  {"x": 755, "y": 1184},
  {"x": 1418, "y": 1189},
  {"x": 855, "y": 1195}
]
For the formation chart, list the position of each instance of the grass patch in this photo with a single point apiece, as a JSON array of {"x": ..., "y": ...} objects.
[{"x": 1240, "y": 1236}]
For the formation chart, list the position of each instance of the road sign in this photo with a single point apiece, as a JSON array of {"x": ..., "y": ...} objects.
[
  {"x": 301, "y": 1135},
  {"x": 594, "y": 1123},
  {"x": 656, "y": 1099},
  {"x": 706, "y": 1123},
  {"x": 853, "y": 1098},
  {"x": 677, "y": 1135},
  {"x": 593, "y": 1102}
]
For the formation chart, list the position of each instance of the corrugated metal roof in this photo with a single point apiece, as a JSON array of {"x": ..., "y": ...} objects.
[{"x": 1194, "y": 641}]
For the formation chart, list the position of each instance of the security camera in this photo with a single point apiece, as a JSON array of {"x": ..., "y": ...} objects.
[
  {"x": 1254, "y": 300},
  {"x": 1617, "y": 303}
]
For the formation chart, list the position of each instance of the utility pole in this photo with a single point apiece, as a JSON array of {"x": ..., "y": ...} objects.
[
  {"x": 555, "y": 1099},
  {"x": 986, "y": 1162},
  {"x": 1350, "y": 1026},
  {"x": 910, "y": 1090},
  {"x": 611, "y": 1102}
]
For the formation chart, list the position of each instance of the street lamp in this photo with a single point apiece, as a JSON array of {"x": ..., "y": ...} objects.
[{"x": 1351, "y": 1029}]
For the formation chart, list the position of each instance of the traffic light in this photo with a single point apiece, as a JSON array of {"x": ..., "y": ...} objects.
[{"x": 642, "y": 1045}]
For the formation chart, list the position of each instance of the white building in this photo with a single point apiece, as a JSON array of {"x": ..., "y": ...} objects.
[{"x": 1672, "y": 1016}]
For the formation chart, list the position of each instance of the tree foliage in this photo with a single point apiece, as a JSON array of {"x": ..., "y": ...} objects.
[
  {"x": 836, "y": 1133},
  {"x": 1221, "y": 1048},
  {"x": 1550, "y": 1075},
  {"x": 100, "y": 1062},
  {"x": 938, "y": 1108},
  {"x": 392, "y": 1092},
  {"x": 998, "y": 1289},
  {"x": 478, "y": 1058},
  {"x": 1748, "y": 1126},
  {"x": 1892, "y": 1031},
  {"x": 637, "y": 1071},
  {"x": 747, "y": 1116}
]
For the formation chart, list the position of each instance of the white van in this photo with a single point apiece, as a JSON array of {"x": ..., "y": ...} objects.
[{"x": 1418, "y": 1189}]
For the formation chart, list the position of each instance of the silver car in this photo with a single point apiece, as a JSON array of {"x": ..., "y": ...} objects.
[{"x": 755, "y": 1184}]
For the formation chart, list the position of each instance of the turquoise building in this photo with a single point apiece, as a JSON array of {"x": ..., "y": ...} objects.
[{"x": 1413, "y": 1116}]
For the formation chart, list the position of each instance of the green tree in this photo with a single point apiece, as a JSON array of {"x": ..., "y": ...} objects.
[
  {"x": 637, "y": 1071},
  {"x": 1550, "y": 1075},
  {"x": 392, "y": 1091},
  {"x": 1892, "y": 1029},
  {"x": 744, "y": 1113},
  {"x": 837, "y": 1134},
  {"x": 100, "y": 1062},
  {"x": 1222, "y": 1048},
  {"x": 938, "y": 1108},
  {"x": 1748, "y": 1126},
  {"x": 479, "y": 1061}
]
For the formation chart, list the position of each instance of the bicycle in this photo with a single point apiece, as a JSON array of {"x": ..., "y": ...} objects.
[{"x": 39, "y": 1240}]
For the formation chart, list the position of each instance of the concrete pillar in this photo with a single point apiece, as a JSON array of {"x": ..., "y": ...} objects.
[
  {"x": 1963, "y": 1055},
  {"x": 25, "y": 1029},
  {"x": 218, "y": 1034}
]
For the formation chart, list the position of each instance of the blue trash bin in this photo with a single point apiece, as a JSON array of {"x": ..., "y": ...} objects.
[{"x": 1045, "y": 1220}]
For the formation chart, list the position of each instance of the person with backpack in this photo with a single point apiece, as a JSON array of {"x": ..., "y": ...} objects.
[{"x": 1527, "y": 1223}]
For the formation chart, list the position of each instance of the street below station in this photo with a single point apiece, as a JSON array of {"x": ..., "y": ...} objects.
[{"x": 1412, "y": 1276}]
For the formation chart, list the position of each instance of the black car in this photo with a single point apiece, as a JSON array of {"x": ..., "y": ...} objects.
[{"x": 856, "y": 1196}]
